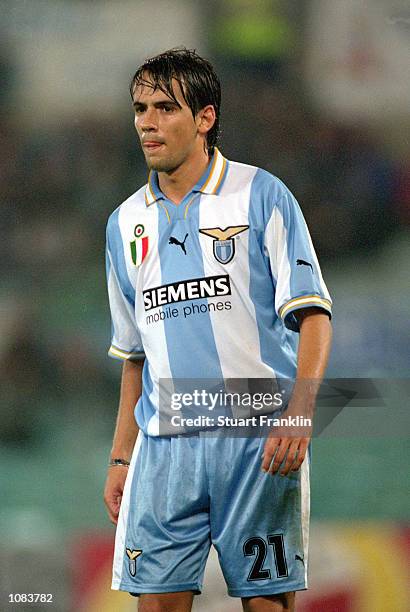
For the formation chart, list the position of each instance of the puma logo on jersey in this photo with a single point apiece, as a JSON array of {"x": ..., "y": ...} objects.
[
  {"x": 302, "y": 262},
  {"x": 223, "y": 245},
  {"x": 173, "y": 240}
]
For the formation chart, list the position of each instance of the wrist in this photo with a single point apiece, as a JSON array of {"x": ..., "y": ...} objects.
[
  {"x": 123, "y": 446},
  {"x": 300, "y": 408},
  {"x": 118, "y": 461},
  {"x": 121, "y": 452}
]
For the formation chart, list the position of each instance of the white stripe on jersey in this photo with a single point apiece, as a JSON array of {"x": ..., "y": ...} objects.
[
  {"x": 276, "y": 244},
  {"x": 229, "y": 325},
  {"x": 125, "y": 331},
  {"x": 154, "y": 341},
  {"x": 318, "y": 270}
]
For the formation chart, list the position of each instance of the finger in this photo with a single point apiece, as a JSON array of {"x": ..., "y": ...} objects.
[
  {"x": 279, "y": 456},
  {"x": 113, "y": 515},
  {"x": 301, "y": 455},
  {"x": 290, "y": 457},
  {"x": 271, "y": 446},
  {"x": 113, "y": 508}
]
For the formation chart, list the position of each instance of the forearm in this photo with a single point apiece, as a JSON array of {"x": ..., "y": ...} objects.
[
  {"x": 313, "y": 355},
  {"x": 126, "y": 429}
]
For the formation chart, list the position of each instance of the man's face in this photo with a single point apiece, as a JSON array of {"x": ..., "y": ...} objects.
[{"x": 168, "y": 132}]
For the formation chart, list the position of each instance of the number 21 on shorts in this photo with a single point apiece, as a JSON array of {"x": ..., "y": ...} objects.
[{"x": 257, "y": 546}]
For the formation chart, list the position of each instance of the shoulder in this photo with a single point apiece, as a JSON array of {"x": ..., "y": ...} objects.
[
  {"x": 135, "y": 203},
  {"x": 261, "y": 192},
  {"x": 260, "y": 183}
]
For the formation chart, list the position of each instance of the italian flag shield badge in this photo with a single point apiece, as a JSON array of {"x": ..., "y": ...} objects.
[{"x": 139, "y": 246}]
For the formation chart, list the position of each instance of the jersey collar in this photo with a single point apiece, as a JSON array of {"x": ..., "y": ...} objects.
[{"x": 210, "y": 182}]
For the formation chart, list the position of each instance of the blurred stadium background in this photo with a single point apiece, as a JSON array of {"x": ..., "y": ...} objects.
[{"x": 315, "y": 91}]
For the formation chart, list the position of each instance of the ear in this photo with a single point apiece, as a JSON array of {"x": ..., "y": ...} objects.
[{"x": 205, "y": 119}]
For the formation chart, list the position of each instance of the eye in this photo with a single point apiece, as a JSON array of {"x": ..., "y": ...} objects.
[{"x": 168, "y": 108}]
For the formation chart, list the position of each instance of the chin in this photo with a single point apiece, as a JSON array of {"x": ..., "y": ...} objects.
[{"x": 160, "y": 165}]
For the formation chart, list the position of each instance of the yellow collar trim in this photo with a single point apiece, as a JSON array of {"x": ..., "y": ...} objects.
[{"x": 210, "y": 186}]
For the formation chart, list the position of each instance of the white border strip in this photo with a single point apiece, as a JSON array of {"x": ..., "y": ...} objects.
[
  {"x": 121, "y": 532},
  {"x": 305, "y": 510}
]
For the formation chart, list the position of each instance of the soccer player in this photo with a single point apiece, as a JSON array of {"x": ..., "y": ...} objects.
[{"x": 211, "y": 274}]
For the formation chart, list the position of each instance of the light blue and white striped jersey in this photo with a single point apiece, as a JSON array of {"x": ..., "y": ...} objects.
[{"x": 208, "y": 288}]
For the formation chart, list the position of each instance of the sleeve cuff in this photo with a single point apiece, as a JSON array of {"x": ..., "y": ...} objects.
[
  {"x": 117, "y": 353},
  {"x": 305, "y": 301}
]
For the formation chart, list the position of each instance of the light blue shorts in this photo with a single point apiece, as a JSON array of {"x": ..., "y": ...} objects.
[{"x": 185, "y": 493}]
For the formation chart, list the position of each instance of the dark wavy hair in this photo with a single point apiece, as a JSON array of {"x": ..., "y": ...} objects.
[{"x": 199, "y": 83}]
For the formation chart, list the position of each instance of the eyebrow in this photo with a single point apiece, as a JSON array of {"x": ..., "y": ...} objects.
[{"x": 157, "y": 104}]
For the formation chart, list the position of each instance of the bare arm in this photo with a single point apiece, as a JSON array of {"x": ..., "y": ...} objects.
[
  {"x": 126, "y": 429},
  {"x": 125, "y": 435},
  {"x": 313, "y": 355}
]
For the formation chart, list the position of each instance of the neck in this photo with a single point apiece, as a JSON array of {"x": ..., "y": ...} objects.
[{"x": 176, "y": 184}]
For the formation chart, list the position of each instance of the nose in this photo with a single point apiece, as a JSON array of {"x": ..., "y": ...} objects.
[{"x": 148, "y": 121}]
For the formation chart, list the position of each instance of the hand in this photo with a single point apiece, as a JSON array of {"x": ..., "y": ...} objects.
[
  {"x": 279, "y": 445},
  {"x": 113, "y": 491}
]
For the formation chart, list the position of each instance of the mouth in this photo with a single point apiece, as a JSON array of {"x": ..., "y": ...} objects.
[{"x": 152, "y": 145}]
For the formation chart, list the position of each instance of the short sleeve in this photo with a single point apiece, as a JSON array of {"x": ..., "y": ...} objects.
[
  {"x": 294, "y": 265},
  {"x": 125, "y": 337}
]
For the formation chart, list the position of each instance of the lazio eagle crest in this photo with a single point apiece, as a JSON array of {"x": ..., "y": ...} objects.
[
  {"x": 224, "y": 245},
  {"x": 139, "y": 247},
  {"x": 132, "y": 557}
]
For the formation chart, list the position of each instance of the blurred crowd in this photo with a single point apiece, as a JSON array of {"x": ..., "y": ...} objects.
[{"x": 60, "y": 185}]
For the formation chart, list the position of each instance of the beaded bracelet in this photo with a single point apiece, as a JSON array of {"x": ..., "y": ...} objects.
[{"x": 118, "y": 462}]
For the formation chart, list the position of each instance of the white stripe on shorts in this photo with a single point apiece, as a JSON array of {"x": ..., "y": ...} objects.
[
  {"x": 120, "y": 535},
  {"x": 305, "y": 509}
]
